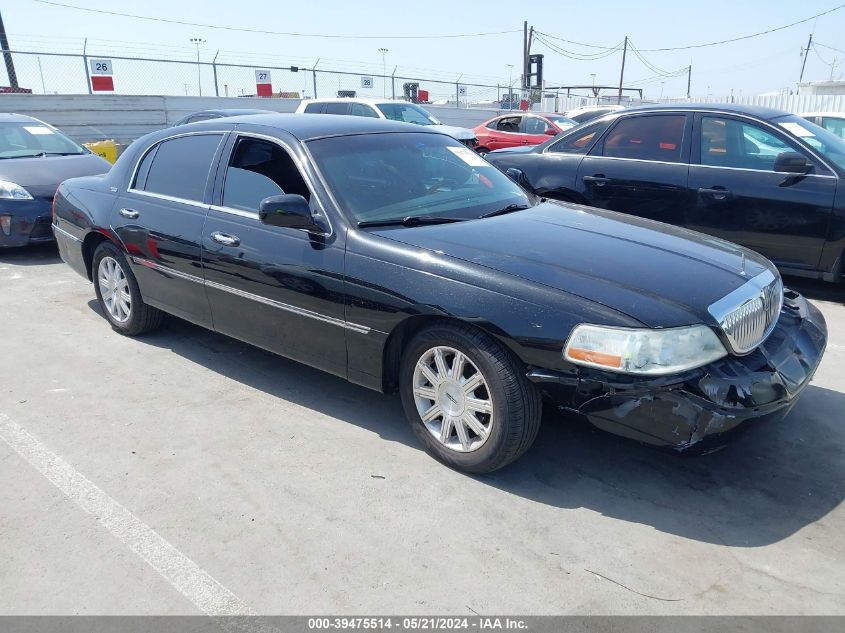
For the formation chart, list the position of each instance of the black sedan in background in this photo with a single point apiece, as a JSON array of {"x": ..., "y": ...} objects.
[
  {"x": 208, "y": 115},
  {"x": 761, "y": 178},
  {"x": 399, "y": 259},
  {"x": 34, "y": 158}
]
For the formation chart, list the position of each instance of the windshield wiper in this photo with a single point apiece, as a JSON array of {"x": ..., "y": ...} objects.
[
  {"x": 44, "y": 154},
  {"x": 411, "y": 220},
  {"x": 508, "y": 209}
]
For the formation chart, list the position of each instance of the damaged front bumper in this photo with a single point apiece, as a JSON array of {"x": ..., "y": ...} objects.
[{"x": 707, "y": 403}]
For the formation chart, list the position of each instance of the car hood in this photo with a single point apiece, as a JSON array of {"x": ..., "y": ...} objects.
[
  {"x": 459, "y": 133},
  {"x": 42, "y": 176},
  {"x": 661, "y": 275}
]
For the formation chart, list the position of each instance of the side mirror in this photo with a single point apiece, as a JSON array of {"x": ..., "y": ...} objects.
[
  {"x": 550, "y": 131},
  {"x": 792, "y": 162},
  {"x": 516, "y": 175},
  {"x": 289, "y": 210}
]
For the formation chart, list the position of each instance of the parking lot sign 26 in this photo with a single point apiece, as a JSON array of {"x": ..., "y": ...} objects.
[{"x": 102, "y": 71}]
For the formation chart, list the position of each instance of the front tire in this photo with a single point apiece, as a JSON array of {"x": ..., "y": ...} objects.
[
  {"x": 467, "y": 398},
  {"x": 119, "y": 295}
]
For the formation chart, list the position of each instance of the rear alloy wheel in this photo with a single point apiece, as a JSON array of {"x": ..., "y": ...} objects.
[
  {"x": 119, "y": 295},
  {"x": 114, "y": 289},
  {"x": 467, "y": 398}
]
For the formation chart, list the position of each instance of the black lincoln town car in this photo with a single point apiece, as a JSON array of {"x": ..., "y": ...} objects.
[
  {"x": 762, "y": 178},
  {"x": 397, "y": 258}
]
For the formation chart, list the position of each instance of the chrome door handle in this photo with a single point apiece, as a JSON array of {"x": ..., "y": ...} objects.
[
  {"x": 129, "y": 213},
  {"x": 716, "y": 194},
  {"x": 598, "y": 181},
  {"x": 225, "y": 239}
]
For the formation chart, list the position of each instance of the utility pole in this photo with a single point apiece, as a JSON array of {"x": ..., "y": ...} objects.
[
  {"x": 7, "y": 57},
  {"x": 689, "y": 79},
  {"x": 524, "y": 54},
  {"x": 622, "y": 72},
  {"x": 804, "y": 63}
]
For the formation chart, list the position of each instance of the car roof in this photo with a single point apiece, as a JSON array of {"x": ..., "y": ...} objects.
[
  {"x": 11, "y": 117},
  {"x": 311, "y": 126},
  {"x": 367, "y": 100},
  {"x": 727, "y": 108},
  {"x": 829, "y": 113},
  {"x": 232, "y": 111}
]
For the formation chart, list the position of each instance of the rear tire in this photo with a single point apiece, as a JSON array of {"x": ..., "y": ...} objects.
[
  {"x": 467, "y": 398},
  {"x": 119, "y": 295}
]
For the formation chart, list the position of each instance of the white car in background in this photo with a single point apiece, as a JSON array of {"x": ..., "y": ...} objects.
[
  {"x": 386, "y": 109},
  {"x": 831, "y": 121}
]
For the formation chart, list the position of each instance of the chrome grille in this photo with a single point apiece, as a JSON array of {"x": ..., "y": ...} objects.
[{"x": 749, "y": 314}]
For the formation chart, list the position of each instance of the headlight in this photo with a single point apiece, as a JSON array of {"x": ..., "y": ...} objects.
[
  {"x": 11, "y": 191},
  {"x": 643, "y": 351}
]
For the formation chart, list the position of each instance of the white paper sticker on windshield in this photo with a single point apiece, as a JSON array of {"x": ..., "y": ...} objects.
[
  {"x": 469, "y": 157},
  {"x": 796, "y": 128},
  {"x": 38, "y": 129}
]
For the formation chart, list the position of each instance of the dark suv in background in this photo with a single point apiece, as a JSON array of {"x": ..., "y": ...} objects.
[{"x": 762, "y": 178}]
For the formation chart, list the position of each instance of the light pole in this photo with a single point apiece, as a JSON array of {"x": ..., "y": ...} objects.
[
  {"x": 510, "y": 86},
  {"x": 383, "y": 52},
  {"x": 661, "y": 90},
  {"x": 198, "y": 41}
]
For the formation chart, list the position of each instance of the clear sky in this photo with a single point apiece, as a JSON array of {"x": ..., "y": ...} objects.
[{"x": 757, "y": 65}]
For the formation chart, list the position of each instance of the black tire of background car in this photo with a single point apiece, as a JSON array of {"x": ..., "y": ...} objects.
[
  {"x": 142, "y": 317},
  {"x": 517, "y": 405}
]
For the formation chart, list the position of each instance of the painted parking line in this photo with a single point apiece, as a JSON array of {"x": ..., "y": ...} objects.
[{"x": 181, "y": 572}]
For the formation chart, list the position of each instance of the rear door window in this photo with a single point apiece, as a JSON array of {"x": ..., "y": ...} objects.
[
  {"x": 335, "y": 107},
  {"x": 180, "y": 167},
  {"x": 654, "y": 137},
  {"x": 509, "y": 124},
  {"x": 360, "y": 109},
  {"x": 835, "y": 125}
]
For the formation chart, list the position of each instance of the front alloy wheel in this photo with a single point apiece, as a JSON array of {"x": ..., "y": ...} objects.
[
  {"x": 467, "y": 398},
  {"x": 453, "y": 399}
]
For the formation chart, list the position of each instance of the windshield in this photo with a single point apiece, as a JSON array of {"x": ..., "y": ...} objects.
[
  {"x": 27, "y": 139},
  {"x": 825, "y": 143},
  {"x": 405, "y": 175},
  {"x": 407, "y": 112}
]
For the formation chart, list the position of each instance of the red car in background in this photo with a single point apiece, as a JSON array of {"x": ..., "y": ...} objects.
[{"x": 525, "y": 128}]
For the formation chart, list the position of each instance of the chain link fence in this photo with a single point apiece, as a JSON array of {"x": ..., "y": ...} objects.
[{"x": 71, "y": 73}]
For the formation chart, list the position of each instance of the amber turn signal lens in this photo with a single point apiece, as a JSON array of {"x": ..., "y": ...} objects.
[{"x": 598, "y": 358}]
